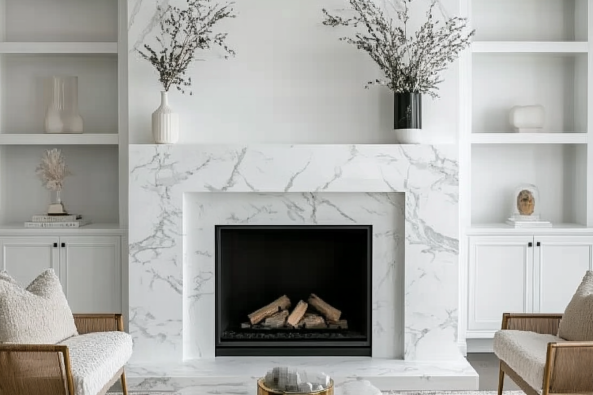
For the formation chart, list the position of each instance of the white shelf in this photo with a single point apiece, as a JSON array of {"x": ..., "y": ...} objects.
[
  {"x": 529, "y": 138},
  {"x": 59, "y": 139},
  {"x": 504, "y": 229},
  {"x": 58, "y": 48},
  {"x": 530, "y": 47},
  {"x": 91, "y": 229}
]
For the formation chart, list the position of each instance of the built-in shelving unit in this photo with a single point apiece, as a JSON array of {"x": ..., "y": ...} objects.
[
  {"x": 40, "y": 39},
  {"x": 525, "y": 52}
]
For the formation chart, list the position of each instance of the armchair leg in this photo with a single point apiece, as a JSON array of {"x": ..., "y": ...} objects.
[
  {"x": 124, "y": 384},
  {"x": 500, "y": 379}
]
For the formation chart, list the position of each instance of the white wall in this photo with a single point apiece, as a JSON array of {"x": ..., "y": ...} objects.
[{"x": 292, "y": 81}]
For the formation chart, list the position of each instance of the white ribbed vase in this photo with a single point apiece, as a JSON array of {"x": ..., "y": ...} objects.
[{"x": 165, "y": 123}]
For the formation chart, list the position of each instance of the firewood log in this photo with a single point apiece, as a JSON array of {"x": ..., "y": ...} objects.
[
  {"x": 340, "y": 324},
  {"x": 282, "y": 303},
  {"x": 312, "y": 321},
  {"x": 329, "y": 312},
  {"x": 276, "y": 320},
  {"x": 297, "y": 313}
]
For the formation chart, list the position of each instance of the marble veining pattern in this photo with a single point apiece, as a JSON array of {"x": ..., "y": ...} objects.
[{"x": 161, "y": 176}]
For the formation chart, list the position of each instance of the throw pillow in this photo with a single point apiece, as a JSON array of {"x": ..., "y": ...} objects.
[
  {"x": 4, "y": 276},
  {"x": 37, "y": 315},
  {"x": 577, "y": 321}
]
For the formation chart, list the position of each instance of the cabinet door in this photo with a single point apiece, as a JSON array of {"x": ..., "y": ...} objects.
[
  {"x": 24, "y": 258},
  {"x": 560, "y": 264},
  {"x": 500, "y": 272},
  {"x": 92, "y": 273}
]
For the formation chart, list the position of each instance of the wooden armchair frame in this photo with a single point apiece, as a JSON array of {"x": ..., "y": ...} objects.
[
  {"x": 569, "y": 365},
  {"x": 45, "y": 369}
]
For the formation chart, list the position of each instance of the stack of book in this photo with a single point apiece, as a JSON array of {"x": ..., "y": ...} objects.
[
  {"x": 528, "y": 221},
  {"x": 56, "y": 221}
]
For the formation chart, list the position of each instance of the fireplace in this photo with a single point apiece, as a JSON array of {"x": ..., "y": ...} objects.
[{"x": 320, "y": 265}]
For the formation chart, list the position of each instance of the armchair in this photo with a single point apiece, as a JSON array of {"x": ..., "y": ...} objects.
[
  {"x": 81, "y": 365},
  {"x": 540, "y": 362}
]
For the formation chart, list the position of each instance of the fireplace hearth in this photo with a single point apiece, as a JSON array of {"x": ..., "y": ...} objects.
[{"x": 301, "y": 290}]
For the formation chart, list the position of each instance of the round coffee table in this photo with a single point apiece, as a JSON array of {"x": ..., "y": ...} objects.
[{"x": 263, "y": 389}]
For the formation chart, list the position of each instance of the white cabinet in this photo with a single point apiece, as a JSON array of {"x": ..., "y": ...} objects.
[
  {"x": 522, "y": 274},
  {"x": 89, "y": 267},
  {"x": 25, "y": 257}
]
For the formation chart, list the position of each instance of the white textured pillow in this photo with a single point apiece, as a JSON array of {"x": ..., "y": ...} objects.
[
  {"x": 577, "y": 321},
  {"x": 37, "y": 315}
]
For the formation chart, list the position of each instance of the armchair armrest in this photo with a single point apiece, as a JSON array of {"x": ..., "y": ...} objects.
[
  {"x": 568, "y": 367},
  {"x": 35, "y": 368},
  {"x": 539, "y": 323},
  {"x": 88, "y": 323}
]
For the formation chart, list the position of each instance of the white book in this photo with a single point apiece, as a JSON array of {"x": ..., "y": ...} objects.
[
  {"x": 56, "y": 218},
  {"x": 69, "y": 224},
  {"x": 529, "y": 224}
]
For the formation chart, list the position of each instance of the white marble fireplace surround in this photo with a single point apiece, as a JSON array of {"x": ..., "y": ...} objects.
[{"x": 179, "y": 192}]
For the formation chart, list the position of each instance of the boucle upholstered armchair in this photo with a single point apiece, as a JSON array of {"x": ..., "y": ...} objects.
[
  {"x": 550, "y": 353},
  {"x": 79, "y": 364},
  {"x": 47, "y": 350}
]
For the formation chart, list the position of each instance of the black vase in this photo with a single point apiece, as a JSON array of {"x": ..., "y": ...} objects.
[{"x": 407, "y": 111}]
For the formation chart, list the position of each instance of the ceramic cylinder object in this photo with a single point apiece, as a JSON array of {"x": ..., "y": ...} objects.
[
  {"x": 165, "y": 123},
  {"x": 527, "y": 118},
  {"x": 407, "y": 108}
]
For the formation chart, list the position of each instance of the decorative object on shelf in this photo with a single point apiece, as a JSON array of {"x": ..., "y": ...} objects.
[
  {"x": 411, "y": 63},
  {"x": 62, "y": 114},
  {"x": 182, "y": 33},
  {"x": 57, "y": 221},
  {"x": 525, "y": 201},
  {"x": 52, "y": 171},
  {"x": 165, "y": 122},
  {"x": 527, "y": 119}
]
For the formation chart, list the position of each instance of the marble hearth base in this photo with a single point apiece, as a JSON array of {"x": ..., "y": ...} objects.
[{"x": 231, "y": 375}]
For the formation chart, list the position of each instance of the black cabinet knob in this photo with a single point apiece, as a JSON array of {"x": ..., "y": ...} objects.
[
  {"x": 55, "y": 245},
  {"x": 530, "y": 244},
  {"x": 538, "y": 244},
  {"x": 63, "y": 245}
]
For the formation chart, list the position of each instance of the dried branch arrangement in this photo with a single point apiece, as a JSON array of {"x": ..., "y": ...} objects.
[
  {"x": 182, "y": 33},
  {"x": 410, "y": 62},
  {"x": 52, "y": 170}
]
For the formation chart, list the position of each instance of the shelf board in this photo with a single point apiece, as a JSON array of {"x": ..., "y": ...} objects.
[
  {"x": 59, "y": 139},
  {"x": 58, "y": 48},
  {"x": 91, "y": 229},
  {"x": 529, "y": 138},
  {"x": 530, "y": 47},
  {"x": 504, "y": 229}
]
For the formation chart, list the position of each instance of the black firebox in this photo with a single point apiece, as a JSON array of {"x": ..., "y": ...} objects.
[{"x": 258, "y": 264}]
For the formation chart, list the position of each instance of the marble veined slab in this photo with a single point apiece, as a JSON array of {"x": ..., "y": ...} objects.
[{"x": 227, "y": 375}]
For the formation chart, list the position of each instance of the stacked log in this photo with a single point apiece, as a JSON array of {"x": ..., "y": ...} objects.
[{"x": 276, "y": 315}]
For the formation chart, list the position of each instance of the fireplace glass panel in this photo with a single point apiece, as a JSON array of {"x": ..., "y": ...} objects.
[{"x": 255, "y": 265}]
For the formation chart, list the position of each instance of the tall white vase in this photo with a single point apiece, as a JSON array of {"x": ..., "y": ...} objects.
[{"x": 165, "y": 123}]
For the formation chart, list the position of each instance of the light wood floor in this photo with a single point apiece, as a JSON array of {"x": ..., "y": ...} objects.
[{"x": 487, "y": 367}]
